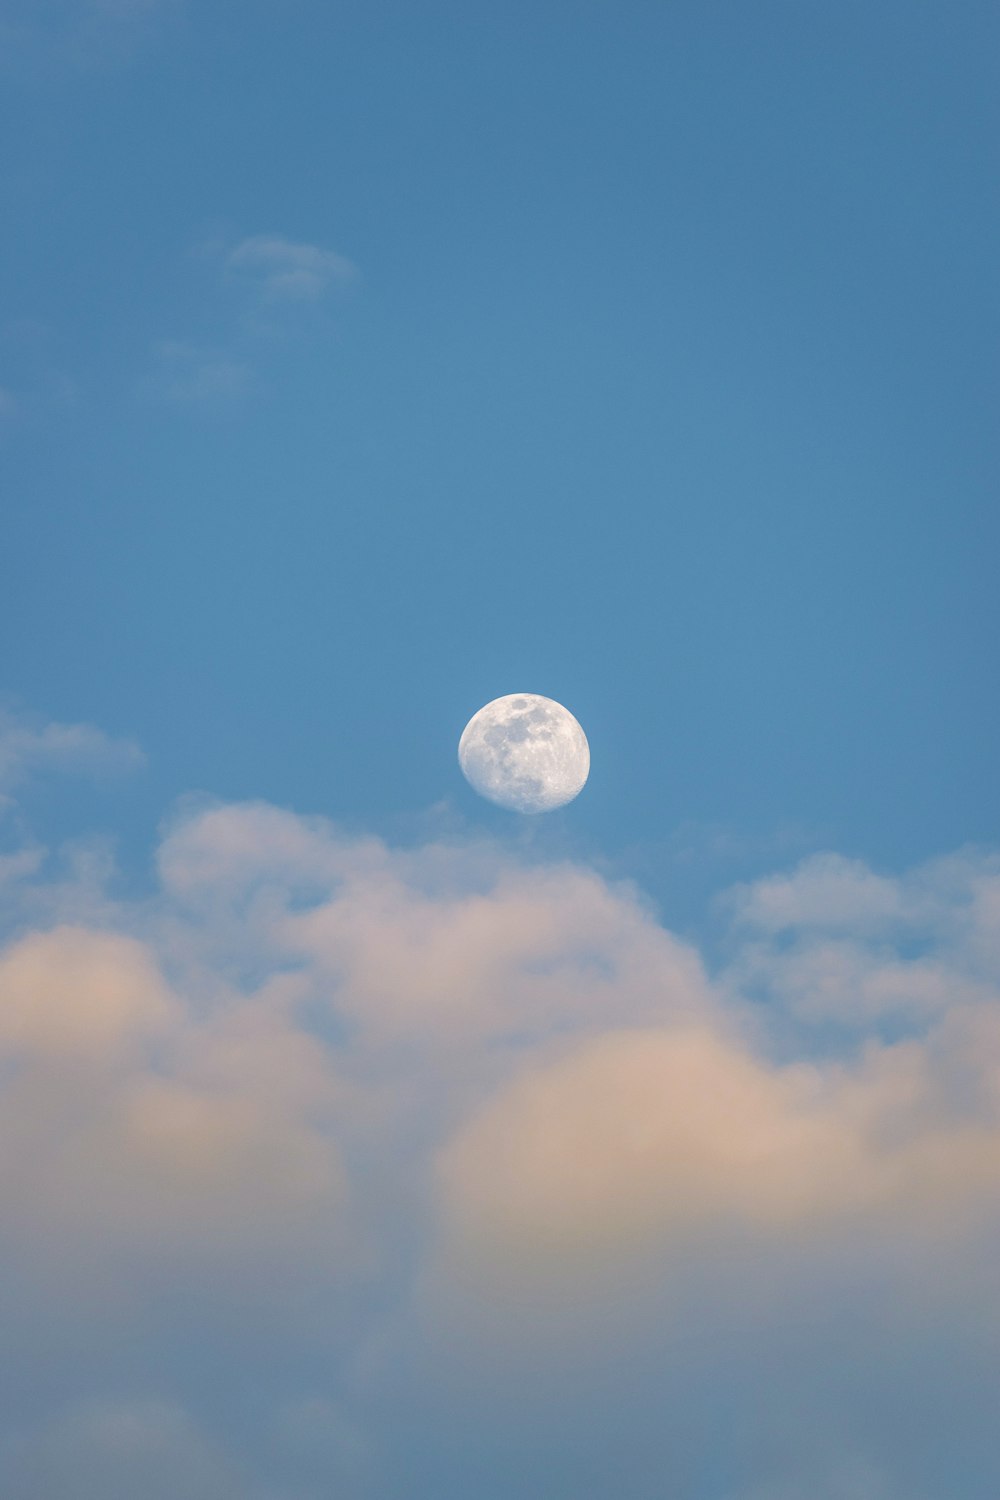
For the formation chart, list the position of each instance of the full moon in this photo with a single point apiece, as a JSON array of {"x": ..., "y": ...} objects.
[{"x": 525, "y": 752}]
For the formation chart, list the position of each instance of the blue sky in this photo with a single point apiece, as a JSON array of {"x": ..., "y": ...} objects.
[
  {"x": 664, "y": 386},
  {"x": 360, "y": 363}
]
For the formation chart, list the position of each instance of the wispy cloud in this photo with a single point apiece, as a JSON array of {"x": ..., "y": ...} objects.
[
  {"x": 274, "y": 277},
  {"x": 120, "y": 1449},
  {"x": 196, "y": 375},
  {"x": 27, "y": 746},
  {"x": 279, "y": 269},
  {"x": 62, "y": 35},
  {"x": 35, "y": 382}
]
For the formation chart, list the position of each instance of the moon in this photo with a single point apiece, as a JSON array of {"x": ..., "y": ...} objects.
[{"x": 525, "y": 752}]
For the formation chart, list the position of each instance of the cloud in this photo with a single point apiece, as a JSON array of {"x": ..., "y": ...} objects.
[
  {"x": 195, "y": 375},
  {"x": 642, "y": 1142},
  {"x": 826, "y": 891},
  {"x": 848, "y": 1478},
  {"x": 152, "y": 1145},
  {"x": 831, "y": 941},
  {"x": 117, "y": 1450},
  {"x": 275, "y": 276},
  {"x": 40, "y": 40},
  {"x": 280, "y": 269},
  {"x": 37, "y": 385},
  {"x": 28, "y": 747},
  {"x": 399, "y": 1142}
]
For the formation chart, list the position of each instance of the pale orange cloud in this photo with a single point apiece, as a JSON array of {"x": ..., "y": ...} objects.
[
  {"x": 141, "y": 1133},
  {"x": 444, "y": 1100},
  {"x": 643, "y": 1141}
]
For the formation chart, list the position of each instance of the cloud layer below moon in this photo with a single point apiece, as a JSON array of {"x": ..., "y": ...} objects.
[{"x": 388, "y": 1144}]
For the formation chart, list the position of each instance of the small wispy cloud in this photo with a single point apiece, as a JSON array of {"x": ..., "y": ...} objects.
[
  {"x": 197, "y": 375},
  {"x": 272, "y": 276},
  {"x": 39, "y": 40},
  {"x": 27, "y": 747},
  {"x": 119, "y": 1445},
  {"x": 280, "y": 269},
  {"x": 34, "y": 381}
]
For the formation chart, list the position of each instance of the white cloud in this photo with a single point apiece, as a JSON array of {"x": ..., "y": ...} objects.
[
  {"x": 825, "y": 891},
  {"x": 832, "y": 941},
  {"x": 275, "y": 274},
  {"x": 61, "y": 35},
  {"x": 280, "y": 269},
  {"x": 27, "y": 746},
  {"x": 846, "y": 1478},
  {"x": 195, "y": 375}
]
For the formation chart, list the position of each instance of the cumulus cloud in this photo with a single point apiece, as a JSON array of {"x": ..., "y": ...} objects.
[
  {"x": 435, "y": 1135},
  {"x": 143, "y": 1138},
  {"x": 643, "y": 1141}
]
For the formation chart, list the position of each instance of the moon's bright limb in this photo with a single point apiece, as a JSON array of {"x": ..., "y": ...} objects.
[{"x": 525, "y": 752}]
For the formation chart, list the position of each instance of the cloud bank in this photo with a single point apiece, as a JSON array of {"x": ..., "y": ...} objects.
[{"x": 331, "y": 1167}]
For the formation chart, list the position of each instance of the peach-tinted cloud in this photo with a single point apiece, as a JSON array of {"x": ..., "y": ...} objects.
[
  {"x": 390, "y": 1113},
  {"x": 642, "y": 1141},
  {"x": 72, "y": 993},
  {"x": 139, "y": 1131}
]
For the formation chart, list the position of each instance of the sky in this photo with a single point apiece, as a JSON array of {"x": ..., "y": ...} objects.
[{"x": 361, "y": 363}]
